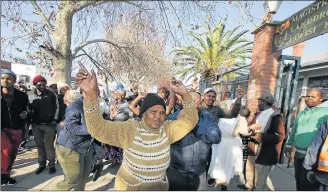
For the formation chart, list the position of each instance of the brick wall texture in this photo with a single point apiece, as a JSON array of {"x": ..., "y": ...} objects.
[{"x": 264, "y": 67}]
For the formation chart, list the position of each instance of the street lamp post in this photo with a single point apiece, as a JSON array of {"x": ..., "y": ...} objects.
[{"x": 270, "y": 8}]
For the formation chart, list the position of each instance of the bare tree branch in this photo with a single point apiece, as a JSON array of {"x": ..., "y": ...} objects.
[
  {"x": 83, "y": 4},
  {"x": 77, "y": 56},
  {"x": 43, "y": 17},
  {"x": 137, "y": 5},
  {"x": 83, "y": 44}
]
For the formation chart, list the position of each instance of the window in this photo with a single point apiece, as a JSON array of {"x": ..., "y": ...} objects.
[{"x": 319, "y": 82}]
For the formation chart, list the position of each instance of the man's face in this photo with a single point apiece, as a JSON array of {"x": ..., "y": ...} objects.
[
  {"x": 261, "y": 105},
  {"x": 313, "y": 98},
  {"x": 197, "y": 100},
  {"x": 7, "y": 80},
  {"x": 41, "y": 86},
  {"x": 135, "y": 90},
  {"x": 209, "y": 98},
  {"x": 155, "y": 116},
  {"x": 227, "y": 95}
]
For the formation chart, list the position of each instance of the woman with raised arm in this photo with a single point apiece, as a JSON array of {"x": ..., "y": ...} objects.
[
  {"x": 119, "y": 112},
  {"x": 133, "y": 105},
  {"x": 146, "y": 144}
]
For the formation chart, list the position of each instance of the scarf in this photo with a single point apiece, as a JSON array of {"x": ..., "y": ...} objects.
[{"x": 263, "y": 118}]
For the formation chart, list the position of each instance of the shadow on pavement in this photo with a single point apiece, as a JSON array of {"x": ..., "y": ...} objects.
[
  {"x": 111, "y": 171},
  {"x": 106, "y": 186},
  {"x": 21, "y": 163},
  {"x": 30, "y": 180}
]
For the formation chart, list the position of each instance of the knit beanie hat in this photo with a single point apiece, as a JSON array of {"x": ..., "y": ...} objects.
[
  {"x": 38, "y": 78},
  {"x": 150, "y": 100},
  {"x": 72, "y": 95},
  {"x": 8, "y": 71}
]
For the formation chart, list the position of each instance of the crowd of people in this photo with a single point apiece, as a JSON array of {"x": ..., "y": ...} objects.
[{"x": 177, "y": 139}]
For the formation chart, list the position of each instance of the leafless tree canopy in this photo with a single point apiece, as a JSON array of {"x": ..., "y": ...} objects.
[
  {"x": 55, "y": 32},
  {"x": 142, "y": 59}
]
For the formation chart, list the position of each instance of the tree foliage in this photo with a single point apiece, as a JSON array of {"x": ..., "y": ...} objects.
[
  {"x": 215, "y": 50},
  {"x": 142, "y": 61}
]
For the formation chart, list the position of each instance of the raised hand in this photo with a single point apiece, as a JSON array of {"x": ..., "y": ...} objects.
[
  {"x": 255, "y": 127},
  {"x": 86, "y": 81},
  {"x": 113, "y": 110},
  {"x": 241, "y": 92},
  {"x": 195, "y": 84},
  {"x": 143, "y": 95},
  {"x": 179, "y": 88}
]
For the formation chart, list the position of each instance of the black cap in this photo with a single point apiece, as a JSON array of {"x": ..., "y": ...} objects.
[{"x": 150, "y": 100}]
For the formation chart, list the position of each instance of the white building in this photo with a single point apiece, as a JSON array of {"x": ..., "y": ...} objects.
[{"x": 25, "y": 73}]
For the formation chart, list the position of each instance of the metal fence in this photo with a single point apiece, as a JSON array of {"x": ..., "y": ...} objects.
[{"x": 241, "y": 78}]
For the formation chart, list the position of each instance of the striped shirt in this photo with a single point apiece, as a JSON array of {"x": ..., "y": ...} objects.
[{"x": 146, "y": 151}]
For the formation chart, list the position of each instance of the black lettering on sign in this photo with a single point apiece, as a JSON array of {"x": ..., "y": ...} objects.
[{"x": 306, "y": 24}]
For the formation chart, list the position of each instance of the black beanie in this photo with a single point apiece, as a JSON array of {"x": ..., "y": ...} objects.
[{"x": 150, "y": 100}]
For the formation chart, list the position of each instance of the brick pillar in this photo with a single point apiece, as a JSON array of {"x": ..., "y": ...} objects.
[
  {"x": 298, "y": 49},
  {"x": 264, "y": 66}
]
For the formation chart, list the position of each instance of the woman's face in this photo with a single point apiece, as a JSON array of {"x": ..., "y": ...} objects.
[
  {"x": 155, "y": 116},
  {"x": 119, "y": 96},
  {"x": 179, "y": 99},
  {"x": 162, "y": 94}
]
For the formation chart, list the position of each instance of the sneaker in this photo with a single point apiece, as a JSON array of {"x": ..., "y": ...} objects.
[
  {"x": 52, "y": 170},
  {"x": 211, "y": 182},
  {"x": 22, "y": 144},
  {"x": 243, "y": 187},
  {"x": 39, "y": 170},
  {"x": 97, "y": 172},
  {"x": 94, "y": 168},
  {"x": 224, "y": 188},
  {"x": 4, "y": 180},
  {"x": 12, "y": 181}
]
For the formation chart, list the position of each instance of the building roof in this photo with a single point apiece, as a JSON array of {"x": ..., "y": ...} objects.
[{"x": 312, "y": 60}]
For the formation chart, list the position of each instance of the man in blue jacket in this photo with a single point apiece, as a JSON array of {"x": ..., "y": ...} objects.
[
  {"x": 74, "y": 146},
  {"x": 187, "y": 170}
]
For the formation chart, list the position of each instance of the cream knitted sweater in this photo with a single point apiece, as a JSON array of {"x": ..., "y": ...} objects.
[{"x": 146, "y": 152}]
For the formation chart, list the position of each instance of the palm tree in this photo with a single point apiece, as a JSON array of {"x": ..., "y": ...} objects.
[{"x": 216, "y": 49}]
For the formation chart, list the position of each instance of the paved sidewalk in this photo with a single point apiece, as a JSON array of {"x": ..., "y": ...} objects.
[{"x": 26, "y": 163}]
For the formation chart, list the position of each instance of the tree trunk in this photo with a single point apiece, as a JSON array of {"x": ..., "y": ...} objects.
[{"x": 62, "y": 37}]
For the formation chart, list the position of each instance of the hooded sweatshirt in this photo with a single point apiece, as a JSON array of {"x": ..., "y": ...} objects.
[{"x": 307, "y": 124}]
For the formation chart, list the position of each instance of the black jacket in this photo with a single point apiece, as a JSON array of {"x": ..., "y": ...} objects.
[
  {"x": 45, "y": 108},
  {"x": 271, "y": 141},
  {"x": 62, "y": 108},
  {"x": 10, "y": 118}
]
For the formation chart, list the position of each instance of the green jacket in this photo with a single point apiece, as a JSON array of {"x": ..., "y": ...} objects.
[{"x": 307, "y": 123}]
